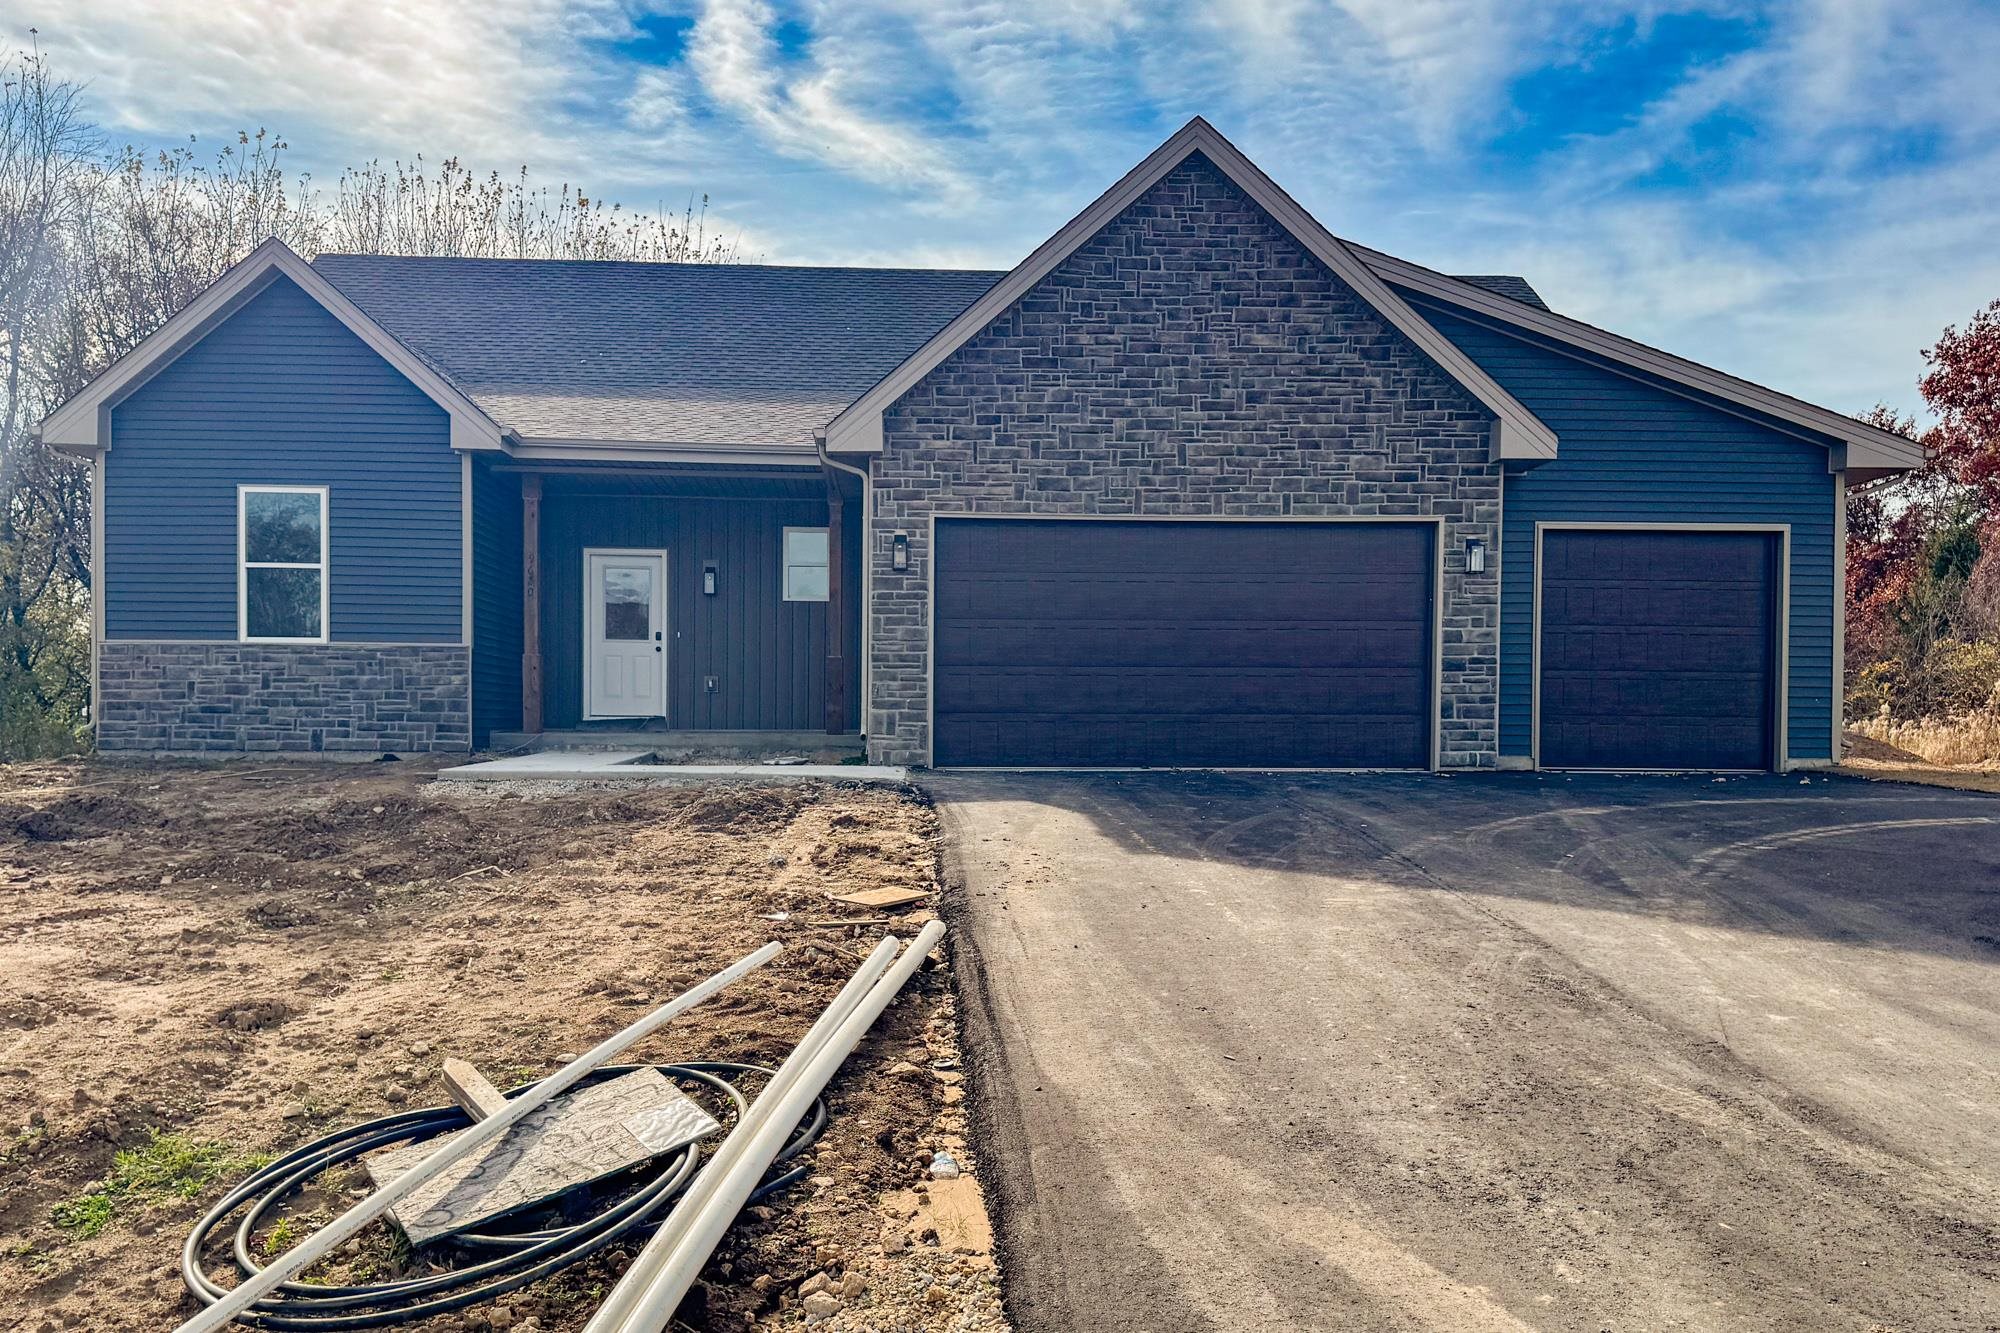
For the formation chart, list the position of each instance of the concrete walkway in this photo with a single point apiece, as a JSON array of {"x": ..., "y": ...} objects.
[{"x": 1483, "y": 1053}]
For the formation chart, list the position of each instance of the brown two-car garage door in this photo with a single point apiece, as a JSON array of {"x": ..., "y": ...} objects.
[
  {"x": 1118, "y": 643},
  {"x": 1659, "y": 649}
]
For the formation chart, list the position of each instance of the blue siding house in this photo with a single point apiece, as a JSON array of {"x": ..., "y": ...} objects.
[{"x": 1196, "y": 484}]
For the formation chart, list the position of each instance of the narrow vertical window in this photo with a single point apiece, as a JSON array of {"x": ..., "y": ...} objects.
[
  {"x": 281, "y": 545},
  {"x": 805, "y": 565}
]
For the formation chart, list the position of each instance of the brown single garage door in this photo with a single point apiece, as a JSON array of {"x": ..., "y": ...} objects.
[
  {"x": 1659, "y": 649},
  {"x": 1092, "y": 643}
]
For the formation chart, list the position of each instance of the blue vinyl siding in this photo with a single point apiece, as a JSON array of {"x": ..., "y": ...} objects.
[
  {"x": 281, "y": 393},
  {"x": 496, "y": 603},
  {"x": 1633, "y": 452}
]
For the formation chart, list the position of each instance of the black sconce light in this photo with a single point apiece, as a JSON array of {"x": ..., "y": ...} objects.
[
  {"x": 1475, "y": 557},
  {"x": 708, "y": 578},
  {"x": 899, "y": 552}
]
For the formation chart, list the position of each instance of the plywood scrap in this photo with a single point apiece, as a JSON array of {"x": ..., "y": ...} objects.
[{"x": 581, "y": 1136}]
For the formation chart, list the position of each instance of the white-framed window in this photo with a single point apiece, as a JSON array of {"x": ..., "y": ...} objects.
[
  {"x": 805, "y": 565},
  {"x": 281, "y": 566}
]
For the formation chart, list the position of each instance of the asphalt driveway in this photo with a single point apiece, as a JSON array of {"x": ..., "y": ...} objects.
[{"x": 1475, "y": 1053}]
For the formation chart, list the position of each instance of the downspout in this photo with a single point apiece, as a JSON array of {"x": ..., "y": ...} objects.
[
  {"x": 100, "y": 465},
  {"x": 867, "y": 574},
  {"x": 1839, "y": 614}
]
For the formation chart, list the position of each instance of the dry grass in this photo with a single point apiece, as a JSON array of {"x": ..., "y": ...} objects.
[
  {"x": 1868, "y": 756},
  {"x": 1962, "y": 740}
]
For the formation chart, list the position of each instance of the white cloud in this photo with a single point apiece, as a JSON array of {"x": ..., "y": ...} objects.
[
  {"x": 656, "y": 101},
  {"x": 810, "y": 114},
  {"x": 444, "y": 75}
]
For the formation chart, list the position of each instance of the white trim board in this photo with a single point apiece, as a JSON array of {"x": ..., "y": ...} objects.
[
  {"x": 1781, "y": 761},
  {"x": 1517, "y": 434},
  {"x": 542, "y": 449},
  {"x": 1865, "y": 448},
  {"x": 83, "y": 424}
]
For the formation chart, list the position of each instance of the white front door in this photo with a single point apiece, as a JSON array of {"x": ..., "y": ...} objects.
[{"x": 624, "y": 636}]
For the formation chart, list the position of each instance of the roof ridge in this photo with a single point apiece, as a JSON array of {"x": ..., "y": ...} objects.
[{"x": 691, "y": 264}]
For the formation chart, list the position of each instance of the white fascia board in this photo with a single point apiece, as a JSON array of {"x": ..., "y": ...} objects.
[
  {"x": 1521, "y": 434},
  {"x": 82, "y": 425},
  {"x": 543, "y": 448},
  {"x": 1867, "y": 447}
]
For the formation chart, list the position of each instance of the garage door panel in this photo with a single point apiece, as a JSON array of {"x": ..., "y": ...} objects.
[
  {"x": 1674, "y": 743},
  {"x": 1658, "y": 649},
  {"x": 1613, "y": 694},
  {"x": 1272, "y": 692},
  {"x": 1091, "y": 596},
  {"x": 1194, "y": 741},
  {"x": 1714, "y": 648},
  {"x": 1138, "y": 646},
  {"x": 1142, "y": 643}
]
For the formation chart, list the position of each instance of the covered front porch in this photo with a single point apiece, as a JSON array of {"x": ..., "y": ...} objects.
[{"x": 700, "y": 609}]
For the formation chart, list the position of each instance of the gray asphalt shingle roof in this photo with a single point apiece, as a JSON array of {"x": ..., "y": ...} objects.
[
  {"x": 1507, "y": 285},
  {"x": 656, "y": 353},
  {"x": 693, "y": 354}
]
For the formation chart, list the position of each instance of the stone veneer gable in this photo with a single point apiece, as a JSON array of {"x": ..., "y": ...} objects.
[
  {"x": 1191, "y": 359},
  {"x": 287, "y": 698}
]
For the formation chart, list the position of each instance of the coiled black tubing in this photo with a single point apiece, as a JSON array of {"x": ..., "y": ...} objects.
[{"x": 515, "y": 1250}]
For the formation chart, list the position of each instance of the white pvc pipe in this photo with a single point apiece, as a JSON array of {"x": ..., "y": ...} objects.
[
  {"x": 618, "y": 1305},
  {"x": 669, "y": 1288},
  {"x": 329, "y": 1237}
]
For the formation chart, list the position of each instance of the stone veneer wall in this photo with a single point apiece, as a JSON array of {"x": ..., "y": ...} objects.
[
  {"x": 1190, "y": 359},
  {"x": 295, "y": 698}
]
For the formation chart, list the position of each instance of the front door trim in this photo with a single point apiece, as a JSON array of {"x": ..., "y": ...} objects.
[
  {"x": 1781, "y": 687},
  {"x": 660, "y": 609}
]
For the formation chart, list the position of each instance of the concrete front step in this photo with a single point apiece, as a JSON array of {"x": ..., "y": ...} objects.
[{"x": 818, "y": 746}]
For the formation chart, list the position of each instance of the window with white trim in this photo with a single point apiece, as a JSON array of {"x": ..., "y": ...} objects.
[
  {"x": 281, "y": 549},
  {"x": 805, "y": 565}
]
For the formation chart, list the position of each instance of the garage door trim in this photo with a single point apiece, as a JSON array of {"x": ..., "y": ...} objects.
[
  {"x": 1435, "y": 523},
  {"x": 1782, "y": 686}
]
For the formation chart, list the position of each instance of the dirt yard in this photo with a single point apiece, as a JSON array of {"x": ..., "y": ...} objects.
[{"x": 201, "y": 967}]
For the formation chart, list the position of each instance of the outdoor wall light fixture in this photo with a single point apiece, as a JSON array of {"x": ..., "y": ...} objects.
[
  {"x": 899, "y": 552},
  {"x": 1475, "y": 557},
  {"x": 708, "y": 579}
]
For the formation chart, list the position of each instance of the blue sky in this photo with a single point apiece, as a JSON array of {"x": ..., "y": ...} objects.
[{"x": 1801, "y": 193}]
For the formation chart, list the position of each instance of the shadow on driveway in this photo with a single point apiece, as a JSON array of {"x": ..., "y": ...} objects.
[{"x": 1498, "y": 1051}]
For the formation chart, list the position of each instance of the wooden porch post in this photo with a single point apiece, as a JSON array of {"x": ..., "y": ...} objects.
[
  {"x": 531, "y": 602},
  {"x": 836, "y": 611}
]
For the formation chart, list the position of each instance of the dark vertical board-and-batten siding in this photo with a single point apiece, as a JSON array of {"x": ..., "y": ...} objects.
[
  {"x": 1631, "y": 452},
  {"x": 282, "y": 393},
  {"x": 768, "y": 655}
]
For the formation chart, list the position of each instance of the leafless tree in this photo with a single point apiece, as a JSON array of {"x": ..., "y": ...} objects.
[
  {"x": 48, "y": 155},
  {"x": 413, "y": 209}
]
